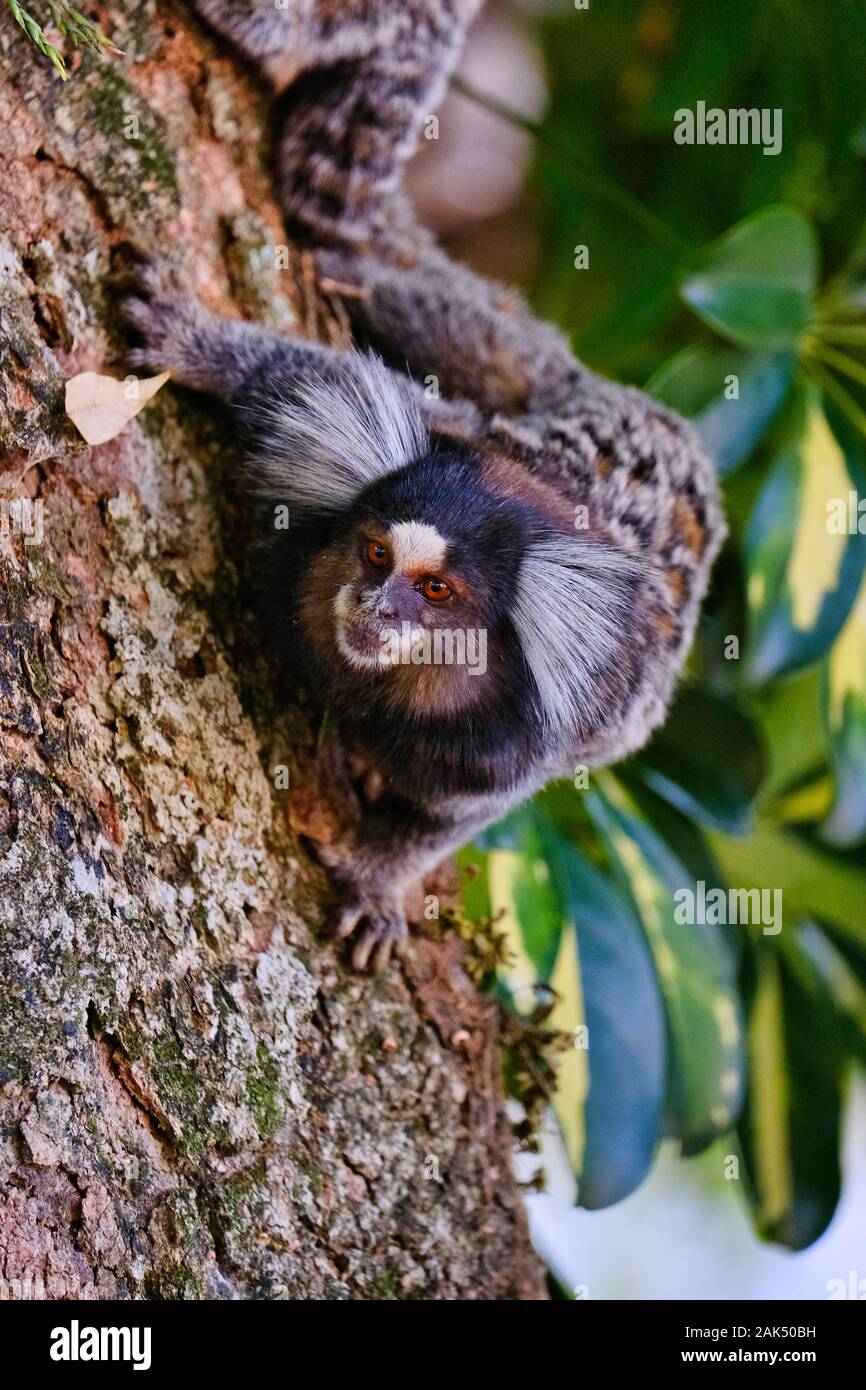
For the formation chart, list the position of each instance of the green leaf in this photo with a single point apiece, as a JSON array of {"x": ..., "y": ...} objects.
[
  {"x": 814, "y": 882},
  {"x": 625, "y": 1034},
  {"x": 698, "y": 383},
  {"x": 474, "y": 882},
  {"x": 707, "y": 760},
  {"x": 754, "y": 285},
  {"x": 803, "y": 575},
  {"x": 844, "y": 702},
  {"x": 789, "y": 713},
  {"x": 611, "y": 1086},
  {"x": 844, "y": 983},
  {"x": 681, "y": 834},
  {"x": 526, "y": 875},
  {"x": 695, "y": 969},
  {"x": 523, "y": 855},
  {"x": 792, "y": 1117}
]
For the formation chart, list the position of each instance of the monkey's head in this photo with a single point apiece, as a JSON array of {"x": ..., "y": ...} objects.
[
  {"x": 409, "y": 599},
  {"x": 440, "y": 577}
]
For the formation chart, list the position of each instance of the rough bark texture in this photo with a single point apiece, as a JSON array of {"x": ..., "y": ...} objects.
[{"x": 197, "y": 1099}]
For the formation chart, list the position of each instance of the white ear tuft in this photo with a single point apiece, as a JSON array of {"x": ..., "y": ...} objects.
[
  {"x": 571, "y": 615},
  {"x": 326, "y": 440}
]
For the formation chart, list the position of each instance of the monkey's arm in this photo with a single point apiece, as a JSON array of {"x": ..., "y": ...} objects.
[
  {"x": 364, "y": 74},
  {"x": 353, "y": 118},
  {"x": 246, "y": 365},
  {"x": 476, "y": 338},
  {"x": 218, "y": 356}
]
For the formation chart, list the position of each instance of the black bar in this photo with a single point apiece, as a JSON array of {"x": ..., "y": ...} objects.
[{"x": 648, "y": 1337}]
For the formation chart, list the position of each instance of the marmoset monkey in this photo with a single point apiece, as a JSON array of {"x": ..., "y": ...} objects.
[{"x": 560, "y": 524}]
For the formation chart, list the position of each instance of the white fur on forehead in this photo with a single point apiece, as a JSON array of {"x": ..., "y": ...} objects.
[
  {"x": 570, "y": 612},
  {"x": 417, "y": 546},
  {"x": 330, "y": 440}
]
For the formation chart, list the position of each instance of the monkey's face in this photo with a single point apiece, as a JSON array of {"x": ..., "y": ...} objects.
[
  {"x": 454, "y": 584},
  {"x": 403, "y": 589},
  {"x": 405, "y": 617},
  {"x": 409, "y": 598}
]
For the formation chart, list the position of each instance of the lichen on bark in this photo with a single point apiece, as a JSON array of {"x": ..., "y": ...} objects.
[{"x": 197, "y": 1099}]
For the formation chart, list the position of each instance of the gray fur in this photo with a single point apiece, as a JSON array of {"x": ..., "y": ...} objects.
[{"x": 571, "y": 616}]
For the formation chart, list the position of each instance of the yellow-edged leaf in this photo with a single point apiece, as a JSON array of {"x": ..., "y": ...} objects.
[
  {"x": 847, "y": 662},
  {"x": 769, "y": 1094},
  {"x": 804, "y": 569},
  {"x": 504, "y": 868},
  {"x": 845, "y": 712},
  {"x": 572, "y": 1067},
  {"x": 816, "y": 555}
]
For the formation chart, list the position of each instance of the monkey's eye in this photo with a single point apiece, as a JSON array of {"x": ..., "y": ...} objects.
[
  {"x": 436, "y": 590},
  {"x": 377, "y": 555}
]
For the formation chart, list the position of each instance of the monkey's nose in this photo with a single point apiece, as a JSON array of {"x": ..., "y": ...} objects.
[
  {"x": 387, "y": 613},
  {"x": 374, "y": 602}
]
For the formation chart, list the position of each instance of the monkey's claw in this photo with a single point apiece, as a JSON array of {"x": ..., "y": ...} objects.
[
  {"x": 382, "y": 929},
  {"x": 154, "y": 304}
]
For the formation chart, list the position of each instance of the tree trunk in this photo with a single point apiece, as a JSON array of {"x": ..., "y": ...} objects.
[{"x": 198, "y": 1100}]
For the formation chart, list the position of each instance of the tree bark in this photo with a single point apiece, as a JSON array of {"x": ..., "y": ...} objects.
[{"x": 198, "y": 1100}]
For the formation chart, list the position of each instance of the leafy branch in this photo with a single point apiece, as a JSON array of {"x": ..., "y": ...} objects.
[{"x": 71, "y": 23}]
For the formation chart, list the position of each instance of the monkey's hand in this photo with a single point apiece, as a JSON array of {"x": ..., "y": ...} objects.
[
  {"x": 381, "y": 917},
  {"x": 165, "y": 318},
  {"x": 177, "y": 334},
  {"x": 373, "y": 906},
  {"x": 395, "y": 845}
]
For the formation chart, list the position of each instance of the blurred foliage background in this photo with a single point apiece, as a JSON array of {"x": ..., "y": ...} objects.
[{"x": 731, "y": 284}]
